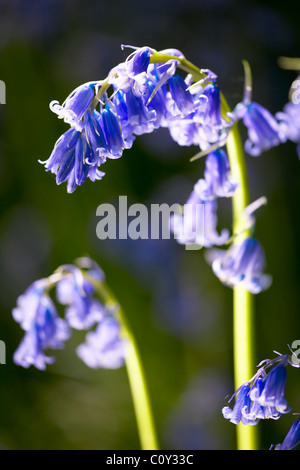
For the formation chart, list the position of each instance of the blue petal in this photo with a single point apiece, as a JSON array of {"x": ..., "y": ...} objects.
[
  {"x": 66, "y": 166},
  {"x": 65, "y": 143},
  {"x": 182, "y": 97},
  {"x": 112, "y": 132}
]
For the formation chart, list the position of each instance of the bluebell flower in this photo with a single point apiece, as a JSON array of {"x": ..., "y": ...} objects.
[
  {"x": 73, "y": 160},
  {"x": 156, "y": 99},
  {"x": 76, "y": 292},
  {"x": 76, "y": 288},
  {"x": 132, "y": 74},
  {"x": 112, "y": 132},
  {"x": 46, "y": 331},
  {"x": 183, "y": 99},
  {"x": 210, "y": 112},
  {"x": 28, "y": 303},
  {"x": 241, "y": 407},
  {"x": 104, "y": 348},
  {"x": 262, "y": 397},
  {"x": 197, "y": 225},
  {"x": 217, "y": 181},
  {"x": 213, "y": 126},
  {"x": 95, "y": 138},
  {"x": 185, "y": 132},
  {"x": 139, "y": 61},
  {"x": 74, "y": 107},
  {"x": 256, "y": 410},
  {"x": 264, "y": 130},
  {"x": 289, "y": 119},
  {"x": 242, "y": 264},
  {"x": 274, "y": 387},
  {"x": 139, "y": 116},
  {"x": 292, "y": 439}
]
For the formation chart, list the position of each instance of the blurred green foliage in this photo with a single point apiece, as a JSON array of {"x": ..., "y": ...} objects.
[{"x": 179, "y": 311}]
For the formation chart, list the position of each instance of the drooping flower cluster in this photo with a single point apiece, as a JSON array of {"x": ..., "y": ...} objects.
[
  {"x": 44, "y": 329},
  {"x": 146, "y": 92},
  {"x": 243, "y": 263},
  {"x": 262, "y": 397},
  {"x": 137, "y": 96}
]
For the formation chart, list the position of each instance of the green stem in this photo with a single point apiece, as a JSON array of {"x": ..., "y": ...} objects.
[
  {"x": 243, "y": 311},
  {"x": 135, "y": 372},
  {"x": 243, "y": 308}
]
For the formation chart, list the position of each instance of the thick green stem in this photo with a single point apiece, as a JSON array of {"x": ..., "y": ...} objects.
[
  {"x": 136, "y": 377},
  {"x": 243, "y": 311}
]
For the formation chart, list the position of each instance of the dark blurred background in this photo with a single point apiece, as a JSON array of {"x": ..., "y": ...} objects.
[{"x": 181, "y": 314}]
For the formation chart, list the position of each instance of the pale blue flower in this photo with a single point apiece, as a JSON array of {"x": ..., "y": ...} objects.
[
  {"x": 76, "y": 292},
  {"x": 45, "y": 331},
  {"x": 104, "y": 348},
  {"x": 243, "y": 264}
]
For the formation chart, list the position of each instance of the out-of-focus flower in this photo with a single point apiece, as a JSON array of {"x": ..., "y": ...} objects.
[
  {"x": 290, "y": 119},
  {"x": 242, "y": 264},
  {"x": 76, "y": 288},
  {"x": 83, "y": 310},
  {"x": 104, "y": 347},
  {"x": 28, "y": 303},
  {"x": 46, "y": 331}
]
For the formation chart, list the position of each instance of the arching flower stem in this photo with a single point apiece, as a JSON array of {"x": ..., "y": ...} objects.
[{"x": 135, "y": 372}]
